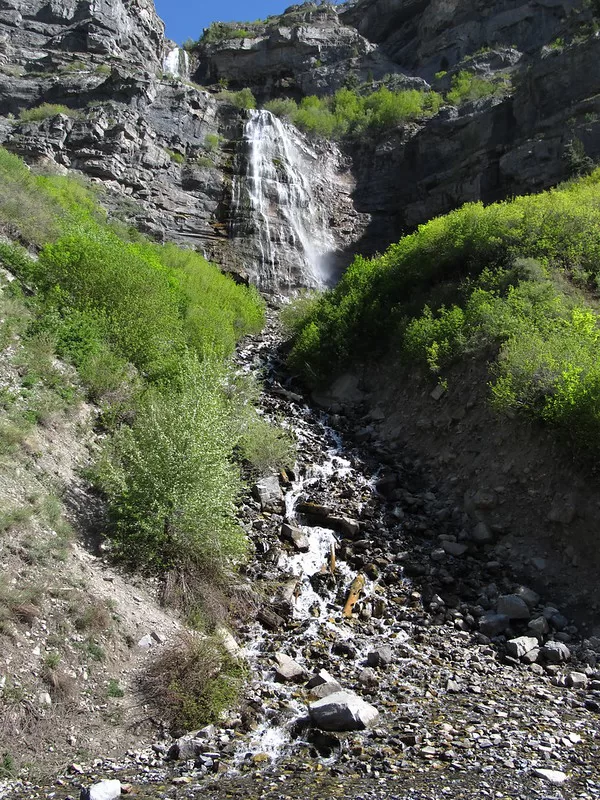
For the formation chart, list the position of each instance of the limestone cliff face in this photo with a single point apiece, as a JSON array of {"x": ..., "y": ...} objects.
[
  {"x": 299, "y": 53},
  {"x": 174, "y": 159},
  {"x": 425, "y": 36},
  {"x": 128, "y": 29}
]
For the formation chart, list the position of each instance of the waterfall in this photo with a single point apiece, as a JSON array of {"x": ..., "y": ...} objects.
[
  {"x": 275, "y": 205},
  {"x": 177, "y": 63}
]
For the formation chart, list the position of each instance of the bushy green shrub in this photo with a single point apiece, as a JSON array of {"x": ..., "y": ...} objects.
[
  {"x": 177, "y": 158},
  {"x": 143, "y": 301},
  {"x": 349, "y": 113},
  {"x": 212, "y": 142},
  {"x": 170, "y": 478},
  {"x": 46, "y": 110},
  {"x": 467, "y": 86},
  {"x": 242, "y": 99},
  {"x": 191, "y": 683},
  {"x": 219, "y": 32}
]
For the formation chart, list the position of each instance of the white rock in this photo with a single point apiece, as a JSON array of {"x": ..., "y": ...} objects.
[
  {"x": 577, "y": 680},
  {"x": 105, "y": 790},
  {"x": 342, "y": 711},
  {"x": 551, "y": 775},
  {"x": 287, "y": 669},
  {"x": 521, "y": 646}
]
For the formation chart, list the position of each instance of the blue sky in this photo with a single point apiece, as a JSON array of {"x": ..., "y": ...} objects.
[{"x": 185, "y": 19}]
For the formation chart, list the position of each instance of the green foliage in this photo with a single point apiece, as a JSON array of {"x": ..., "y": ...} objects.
[
  {"x": 149, "y": 328},
  {"x": 107, "y": 301},
  {"x": 242, "y": 99},
  {"x": 169, "y": 477},
  {"x": 212, "y": 142},
  {"x": 348, "y": 113},
  {"x": 579, "y": 163},
  {"x": 114, "y": 690},
  {"x": 219, "y": 32},
  {"x": 44, "y": 111},
  {"x": 474, "y": 280},
  {"x": 467, "y": 86},
  {"x": 267, "y": 447},
  {"x": 282, "y": 107},
  {"x": 177, "y": 158}
]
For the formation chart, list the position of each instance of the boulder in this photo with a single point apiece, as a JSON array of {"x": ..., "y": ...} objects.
[
  {"x": 322, "y": 684},
  {"x": 528, "y": 595},
  {"x": 539, "y": 626},
  {"x": 556, "y": 652},
  {"x": 268, "y": 493},
  {"x": 577, "y": 680},
  {"x": 186, "y": 747},
  {"x": 296, "y": 536},
  {"x": 288, "y": 670},
  {"x": 551, "y": 775},
  {"x": 381, "y": 657},
  {"x": 455, "y": 548},
  {"x": 513, "y": 606},
  {"x": 493, "y": 624},
  {"x": 342, "y": 711},
  {"x": 482, "y": 534},
  {"x": 105, "y": 790},
  {"x": 349, "y": 527},
  {"x": 517, "y": 648}
]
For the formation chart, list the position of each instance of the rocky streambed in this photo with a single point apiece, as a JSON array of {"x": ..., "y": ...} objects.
[{"x": 393, "y": 654}]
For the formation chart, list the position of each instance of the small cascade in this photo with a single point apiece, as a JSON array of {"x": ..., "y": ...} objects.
[
  {"x": 177, "y": 63},
  {"x": 275, "y": 206}
]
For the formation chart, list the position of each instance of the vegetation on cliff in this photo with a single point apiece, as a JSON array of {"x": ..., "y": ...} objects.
[
  {"x": 514, "y": 278},
  {"x": 349, "y": 113},
  {"x": 149, "y": 328}
]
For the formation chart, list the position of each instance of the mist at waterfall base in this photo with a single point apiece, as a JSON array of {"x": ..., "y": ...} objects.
[
  {"x": 186, "y": 19},
  {"x": 277, "y": 215}
]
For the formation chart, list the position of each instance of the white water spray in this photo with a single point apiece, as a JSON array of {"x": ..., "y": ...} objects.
[
  {"x": 177, "y": 63},
  {"x": 288, "y": 224}
]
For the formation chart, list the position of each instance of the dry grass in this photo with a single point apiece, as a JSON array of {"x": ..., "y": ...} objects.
[{"x": 191, "y": 683}]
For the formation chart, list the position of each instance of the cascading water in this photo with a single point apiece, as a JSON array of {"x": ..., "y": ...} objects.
[
  {"x": 275, "y": 205},
  {"x": 177, "y": 63}
]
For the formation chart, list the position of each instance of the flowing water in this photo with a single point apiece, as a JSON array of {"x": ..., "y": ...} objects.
[
  {"x": 276, "y": 208},
  {"x": 316, "y": 584},
  {"x": 177, "y": 63}
]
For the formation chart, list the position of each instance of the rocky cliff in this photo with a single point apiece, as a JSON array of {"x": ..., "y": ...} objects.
[{"x": 170, "y": 155}]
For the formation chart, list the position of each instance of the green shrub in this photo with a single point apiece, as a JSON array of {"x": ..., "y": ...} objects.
[
  {"x": 282, "y": 107},
  {"x": 193, "y": 682},
  {"x": 46, "y": 110},
  {"x": 467, "y": 86},
  {"x": 219, "y": 32},
  {"x": 348, "y": 113},
  {"x": 177, "y": 158},
  {"x": 169, "y": 478},
  {"x": 212, "y": 142},
  {"x": 242, "y": 99}
]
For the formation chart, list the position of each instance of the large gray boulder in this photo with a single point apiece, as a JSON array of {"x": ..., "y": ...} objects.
[
  {"x": 342, "y": 711},
  {"x": 518, "y": 648},
  {"x": 513, "y": 606},
  {"x": 268, "y": 493}
]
